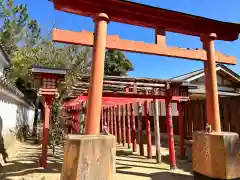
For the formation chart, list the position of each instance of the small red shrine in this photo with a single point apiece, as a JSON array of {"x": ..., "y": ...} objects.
[{"x": 47, "y": 81}]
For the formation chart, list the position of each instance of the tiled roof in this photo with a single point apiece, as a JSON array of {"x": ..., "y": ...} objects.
[
  {"x": 6, "y": 83},
  {"x": 197, "y": 72},
  {"x": 6, "y": 56}
]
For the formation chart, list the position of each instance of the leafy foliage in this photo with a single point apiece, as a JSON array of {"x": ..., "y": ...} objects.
[
  {"x": 22, "y": 40},
  {"x": 117, "y": 64},
  {"x": 17, "y": 27}
]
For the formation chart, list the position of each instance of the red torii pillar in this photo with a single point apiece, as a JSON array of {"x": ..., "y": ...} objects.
[
  {"x": 105, "y": 116},
  {"x": 140, "y": 130},
  {"x": 119, "y": 137},
  {"x": 107, "y": 120},
  {"x": 170, "y": 128},
  {"x": 110, "y": 120},
  {"x": 123, "y": 126},
  {"x": 212, "y": 103},
  {"x": 102, "y": 120},
  {"x": 114, "y": 122},
  {"x": 75, "y": 122},
  {"x": 134, "y": 140},
  {"x": 148, "y": 130},
  {"x": 47, "y": 110},
  {"x": 97, "y": 74},
  {"x": 128, "y": 126}
]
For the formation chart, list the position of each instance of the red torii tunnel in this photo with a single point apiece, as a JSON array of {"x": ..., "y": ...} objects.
[{"x": 118, "y": 118}]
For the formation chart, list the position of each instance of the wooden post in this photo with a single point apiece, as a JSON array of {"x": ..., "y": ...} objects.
[
  {"x": 148, "y": 130},
  {"x": 105, "y": 116},
  {"x": 180, "y": 126},
  {"x": 128, "y": 126},
  {"x": 170, "y": 128},
  {"x": 111, "y": 120},
  {"x": 102, "y": 119},
  {"x": 123, "y": 126},
  {"x": 134, "y": 140},
  {"x": 114, "y": 122},
  {"x": 212, "y": 102},
  {"x": 108, "y": 119},
  {"x": 119, "y": 136},
  {"x": 157, "y": 130},
  {"x": 140, "y": 130},
  {"x": 97, "y": 73},
  {"x": 47, "y": 107}
]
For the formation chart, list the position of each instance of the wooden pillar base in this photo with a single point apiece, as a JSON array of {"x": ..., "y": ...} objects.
[
  {"x": 89, "y": 157},
  {"x": 216, "y": 155}
]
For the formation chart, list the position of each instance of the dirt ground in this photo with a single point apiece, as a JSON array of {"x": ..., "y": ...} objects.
[{"x": 23, "y": 164}]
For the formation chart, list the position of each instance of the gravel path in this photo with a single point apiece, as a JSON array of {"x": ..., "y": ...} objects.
[{"x": 23, "y": 164}]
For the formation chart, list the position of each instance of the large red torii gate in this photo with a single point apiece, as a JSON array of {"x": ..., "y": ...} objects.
[
  {"x": 161, "y": 20},
  {"x": 146, "y": 16}
]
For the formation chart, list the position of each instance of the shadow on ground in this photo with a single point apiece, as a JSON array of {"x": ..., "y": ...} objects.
[
  {"x": 181, "y": 164},
  {"x": 170, "y": 176},
  {"x": 159, "y": 175},
  {"x": 27, "y": 162}
]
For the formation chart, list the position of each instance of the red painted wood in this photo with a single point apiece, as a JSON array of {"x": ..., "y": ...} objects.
[
  {"x": 170, "y": 134},
  {"x": 128, "y": 126},
  {"x": 148, "y": 130},
  {"x": 108, "y": 119},
  {"x": 181, "y": 131},
  {"x": 47, "y": 106},
  {"x": 114, "y": 122},
  {"x": 102, "y": 120},
  {"x": 140, "y": 130},
  {"x": 105, "y": 116},
  {"x": 150, "y": 17},
  {"x": 111, "y": 120},
  {"x": 119, "y": 133},
  {"x": 110, "y": 99},
  {"x": 129, "y": 97},
  {"x": 134, "y": 139},
  {"x": 123, "y": 127},
  {"x": 75, "y": 122}
]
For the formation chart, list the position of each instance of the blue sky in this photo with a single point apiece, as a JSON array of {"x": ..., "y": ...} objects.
[{"x": 148, "y": 65}]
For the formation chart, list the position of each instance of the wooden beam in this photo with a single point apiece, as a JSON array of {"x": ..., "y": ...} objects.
[
  {"x": 128, "y": 12},
  {"x": 148, "y": 130},
  {"x": 140, "y": 129},
  {"x": 157, "y": 130},
  {"x": 160, "y": 37},
  {"x": 114, "y": 42}
]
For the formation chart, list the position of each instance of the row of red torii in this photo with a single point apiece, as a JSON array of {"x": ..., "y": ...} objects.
[{"x": 118, "y": 116}]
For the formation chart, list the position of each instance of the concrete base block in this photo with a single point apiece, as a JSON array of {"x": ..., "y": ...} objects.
[
  {"x": 216, "y": 155},
  {"x": 89, "y": 157}
]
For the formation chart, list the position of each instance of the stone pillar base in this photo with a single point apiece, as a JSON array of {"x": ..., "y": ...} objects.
[
  {"x": 216, "y": 156},
  {"x": 89, "y": 157}
]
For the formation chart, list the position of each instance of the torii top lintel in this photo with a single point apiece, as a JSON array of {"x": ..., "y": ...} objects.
[{"x": 152, "y": 17}]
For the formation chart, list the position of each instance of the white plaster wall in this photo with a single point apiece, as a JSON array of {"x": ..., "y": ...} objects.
[
  {"x": 14, "y": 114},
  {"x": 1, "y": 67}
]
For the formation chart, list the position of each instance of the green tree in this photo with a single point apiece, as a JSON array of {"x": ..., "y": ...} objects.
[
  {"x": 21, "y": 37},
  {"x": 17, "y": 27},
  {"x": 47, "y": 54},
  {"x": 117, "y": 64}
]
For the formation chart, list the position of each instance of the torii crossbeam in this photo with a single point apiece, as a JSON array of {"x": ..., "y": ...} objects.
[{"x": 161, "y": 20}]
